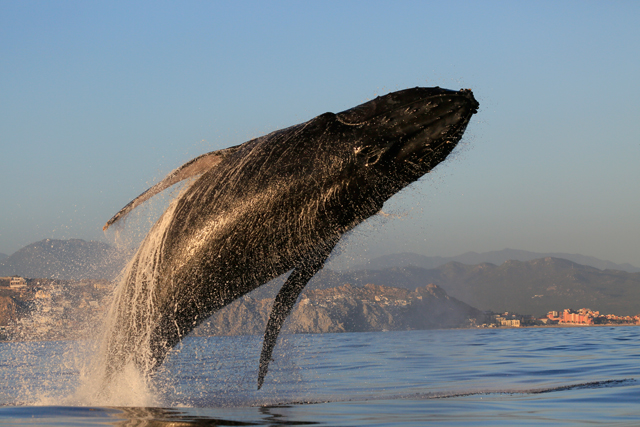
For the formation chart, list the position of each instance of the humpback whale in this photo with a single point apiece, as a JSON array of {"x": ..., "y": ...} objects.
[{"x": 274, "y": 205}]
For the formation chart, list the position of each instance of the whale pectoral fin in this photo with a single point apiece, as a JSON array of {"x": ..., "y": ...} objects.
[
  {"x": 192, "y": 168},
  {"x": 282, "y": 306}
]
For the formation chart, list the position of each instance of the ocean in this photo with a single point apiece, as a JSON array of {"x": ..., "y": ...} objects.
[{"x": 475, "y": 377}]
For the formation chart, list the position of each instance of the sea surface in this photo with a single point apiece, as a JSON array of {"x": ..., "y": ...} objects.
[{"x": 481, "y": 377}]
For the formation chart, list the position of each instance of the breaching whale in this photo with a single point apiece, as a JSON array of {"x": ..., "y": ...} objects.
[{"x": 273, "y": 205}]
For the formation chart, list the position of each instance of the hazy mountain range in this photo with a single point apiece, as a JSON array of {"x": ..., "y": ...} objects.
[
  {"x": 73, "y": 259},
  {"x": 76, "y": 258},
  {"x": 529, "y": 286},
  {"x": 526, "y": 287},
  {"x": 494, "y": 257}
]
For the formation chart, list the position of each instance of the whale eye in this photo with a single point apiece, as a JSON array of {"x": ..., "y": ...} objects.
[
  {"x": 368, "y": 155},
  {"x": 373, "y": 159}
]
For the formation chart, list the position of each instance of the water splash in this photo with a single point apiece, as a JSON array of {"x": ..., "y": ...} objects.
[
  {"x": 129, "y": 387},
  {"x": 128, "y": 324}
]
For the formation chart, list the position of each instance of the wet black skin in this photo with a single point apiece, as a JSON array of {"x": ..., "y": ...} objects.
[{"x": 273, "y": 205}]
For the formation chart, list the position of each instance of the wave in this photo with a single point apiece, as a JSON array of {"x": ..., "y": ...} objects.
[{"x": 273, "y": 402}]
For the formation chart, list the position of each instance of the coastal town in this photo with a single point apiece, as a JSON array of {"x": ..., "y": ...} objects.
[
  {"x": 33, "y": 309},
  {"x": 46, "y": 309},
  {"x": 567, "y": 317}
]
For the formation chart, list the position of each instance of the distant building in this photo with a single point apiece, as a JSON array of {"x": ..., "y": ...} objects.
[
  {"x": 102, "y": 286},
  {"x": 18, "y": 282},
  {"x": 515, "y": 323},
  {"x": 584, "y": 316},
  {"x": 505, "y": 319}
]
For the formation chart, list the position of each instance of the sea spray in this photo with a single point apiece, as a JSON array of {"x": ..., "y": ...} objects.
[
  {"x": 119, "y": 375},
  {"x": 127, "y": 387}
]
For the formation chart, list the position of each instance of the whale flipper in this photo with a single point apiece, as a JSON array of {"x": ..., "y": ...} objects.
[
  {"x": 282, "y": 306},
  {"x": 192, "y": 168}
]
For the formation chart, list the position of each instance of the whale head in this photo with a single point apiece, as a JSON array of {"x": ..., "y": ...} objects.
[{"x": 410, "y": 131}]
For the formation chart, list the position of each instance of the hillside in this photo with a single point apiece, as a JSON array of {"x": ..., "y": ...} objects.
[
  {"x": 9, "y": 310},
  {"x": 528, "y": 287},
  {"x": 348, "y": 309},
  {"x": 52, "y": 309},
  {"x": 495, "y": 257},
  {"x": 531, "y": 287},
  {"x": 73, "y": 259},
  {"x": 48, "y": 309},
  {"x": 366, "y": 300}
]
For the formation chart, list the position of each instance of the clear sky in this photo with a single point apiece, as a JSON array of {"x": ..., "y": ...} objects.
[{"x": 98, "y": 100}]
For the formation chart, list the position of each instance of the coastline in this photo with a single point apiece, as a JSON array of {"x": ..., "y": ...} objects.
[{"x": 560, "y": 325}]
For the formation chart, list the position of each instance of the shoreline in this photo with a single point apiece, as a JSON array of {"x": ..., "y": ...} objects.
[{"x": 559, "y": 325}]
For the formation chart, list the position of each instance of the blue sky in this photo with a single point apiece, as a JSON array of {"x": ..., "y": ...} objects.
[{"x": 101, "y": 99}]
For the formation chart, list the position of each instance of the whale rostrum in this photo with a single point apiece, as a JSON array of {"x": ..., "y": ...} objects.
[{"x": 274, "y": 205}]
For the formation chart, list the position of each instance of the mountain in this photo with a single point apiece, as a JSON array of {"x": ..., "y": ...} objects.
[
  {"x": 66, "y": 309},
  {"x": 348, "y": 308},
  {"x": 494, "y": 257},
  {"x": 3, "y": 256},
  {"x": 73, "y": 259},
  {"x": 530, "y": 287},
  {"x": 527, "y": 287}
]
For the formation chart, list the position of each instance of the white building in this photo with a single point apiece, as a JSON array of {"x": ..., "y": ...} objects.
[{"x": 18, "y": 283}]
